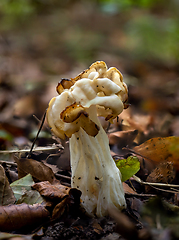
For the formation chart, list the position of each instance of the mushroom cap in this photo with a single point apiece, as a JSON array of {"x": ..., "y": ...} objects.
[{"x": 97, "y": 86}]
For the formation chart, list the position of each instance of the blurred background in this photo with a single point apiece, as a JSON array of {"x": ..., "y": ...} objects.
[{"x": 43, "y": 41}]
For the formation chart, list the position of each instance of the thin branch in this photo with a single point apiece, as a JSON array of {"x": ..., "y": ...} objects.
[
  {"x": 36, "y": 149},
  {"x": 166, "y": 190},
  {"x": 8, "y": 163},
  {"x": 132, "y": 151},
  {"x": 155, "y": 184},
  {"x": 147, "y": 195},
  {"x": 108, "y": 127},
  {"x": 62, "y": 176},
  {"x": 33, "y": 144},
  {"x": 38, "y": 120}
]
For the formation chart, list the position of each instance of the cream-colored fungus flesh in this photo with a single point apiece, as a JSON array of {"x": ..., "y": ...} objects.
[{"x": 97, "y": 91}]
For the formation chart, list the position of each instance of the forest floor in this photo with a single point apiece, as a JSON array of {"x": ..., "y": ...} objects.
[{"x": 32, "y": 63}]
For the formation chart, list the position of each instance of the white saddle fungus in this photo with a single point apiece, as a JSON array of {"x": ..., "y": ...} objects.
[{"x": 97, "y": 91}]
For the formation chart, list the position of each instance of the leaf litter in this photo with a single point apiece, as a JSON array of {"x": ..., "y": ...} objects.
[
  {"x": 151, "y": 119},
  {"x": 58, "y": 206}
]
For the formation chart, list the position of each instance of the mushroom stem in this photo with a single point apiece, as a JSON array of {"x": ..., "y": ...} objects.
[
  {"x": 97, "y": 91},
  {"x": 94, "y": 171}
]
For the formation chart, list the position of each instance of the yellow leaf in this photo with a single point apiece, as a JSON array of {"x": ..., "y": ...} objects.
[{"x": 160, "y": 150}]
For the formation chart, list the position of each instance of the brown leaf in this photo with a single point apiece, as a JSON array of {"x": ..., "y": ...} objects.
[
  {"x": 163, "y": 173},
  {"x": 70, "y": 203},
  {"x": 50, "y": 191},
  {"x": 16, "y": 128},
  {"x": 160, "y": 150},
  {"x": 25, "y": 106},
  {"x": 96, "y": 227},
  {"x": 38, "y": 170},
  {"x": 59, "y": 209},
  {"x": 128, "y": 189},
  {"x": 125, "y": 227},
  {"x": 14, "y": 217},
  {"x": 59, "y": 193},
  {"x": 6, "y": 193},
  {"x": 122, "y": 138}
]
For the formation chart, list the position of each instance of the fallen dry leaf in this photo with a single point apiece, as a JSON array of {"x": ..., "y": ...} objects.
[
  {"x": 62, "y": 196},
  {"x": 163, "y": 173},
  {"x": 96, "y": 226},
  {"x": 160, "y": 150},
  {"x": 6, "y": 193},
  {"x": 25, "y": 106},
  {"x": 122, "y": 138},
  {"x": 124, "y": 227},
  {"x": 139, "y": 121},
  {"x": 14, "y": 217},
  {"x": 59, "y": 209},
  {"x": 38, "y": 170},
  {"x": 50, "y": 191},
  {"x": 71, "y": 202},
  {"x": 127, "y": 189}
]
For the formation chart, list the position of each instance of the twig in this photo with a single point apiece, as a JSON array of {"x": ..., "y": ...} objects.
[
  {"x": 155, "y": 184},
  {"x": 108, "y": 127},
  {"x": 136, "y": 153},
  {"x": 67, "y": 184},
  {"x": 147, "y": 195},
  {"x": 132, "y": 185},
  {"x": 166, "y": 190},
  {"x": 37, "y": 149},
  {"x": 62, "y": 176},
  {"x": 8, "y": 163},
  {"x": 53, "y": 155},
  {"x": 33, "y": 144},
  {"x": 38, "y": 120}
]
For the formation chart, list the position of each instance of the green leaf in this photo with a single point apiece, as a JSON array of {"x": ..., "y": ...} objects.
[
  {"x": 5, "y": 135},
  {"x": 22, "y": 185},
  {"x": 128, "y": 167},
  {"x": 31, "y": 197}
]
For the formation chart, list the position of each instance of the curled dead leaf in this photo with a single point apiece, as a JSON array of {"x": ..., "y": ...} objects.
[
  {"x": 127, "y": 189},
  {"x": 59, "y": 209},
  {"x": 14, "y": 217},
  {"x": 64, "y": 197},
  {"x": 71, "y": 203},
  {"x": 122, "y": 138},
  {"x": 50, "y": 191},
  {"x": 38, "y": 170},
  {"x": 163, "y": 173},
  {"x": 160, "y": 150},
  {"x": 6, "y": 193}
]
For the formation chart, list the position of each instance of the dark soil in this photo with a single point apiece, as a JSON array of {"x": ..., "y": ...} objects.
[{"x": 102, "y": 228}]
